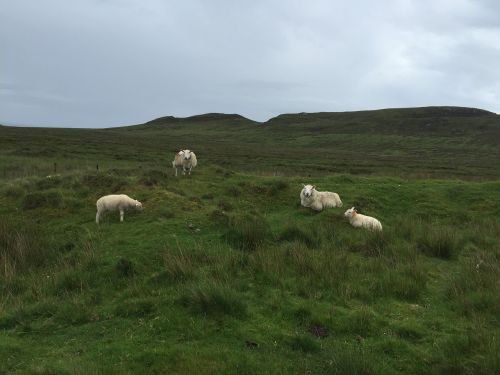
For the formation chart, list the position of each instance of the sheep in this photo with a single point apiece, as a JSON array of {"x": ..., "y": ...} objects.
[
  {"x": 185, "y": 159},
  {"x": 362, "y": 221},
  {"x": 116, "y": 202},
  {"x": 318, "y": 200}
]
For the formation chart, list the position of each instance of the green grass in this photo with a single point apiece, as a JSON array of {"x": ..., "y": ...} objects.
[{"x": 224, "y": 272}]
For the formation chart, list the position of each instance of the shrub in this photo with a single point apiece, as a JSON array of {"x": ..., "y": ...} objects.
[{"x": 247, "y": 232}]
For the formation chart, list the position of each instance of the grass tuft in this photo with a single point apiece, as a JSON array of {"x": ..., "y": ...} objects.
[
  {"x": 304, "y": 344},
  {"x": 305, "y": 234},
  {"x": 21, "y": 247},
  {"x": 48, "y": 198},
  {"x": 214, "y": 300},
  {"x": 125, "y": 268},
  {"x": 440, "y": 242},
  {"x": 247, "y": 232}
]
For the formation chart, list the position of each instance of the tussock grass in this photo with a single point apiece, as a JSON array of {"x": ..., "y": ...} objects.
[
  {"x": 214, "y": 300},
  {"x": 440, "y": 242},
  {"x": 310, "y": 236},
  {"x": 350, "y": 360},
  {"x": 125, "y": 268},
  {"x": 13, "y": 191},
  {"x": 135, "y": 308},
  {"x": 475, "y": 285},
  {"x": 247, "y": 232},
  {"x": 22, "y": 247},
  {"x": 49, "y": 198},
  {"x": 304, "y": 344},
  {"x": 180, "y": 265},
  {"x": 153, "y": 177},
  {"x": 108, "y": 182}
]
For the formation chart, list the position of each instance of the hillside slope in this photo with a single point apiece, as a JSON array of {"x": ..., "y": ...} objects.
[
  {"x": 224, "y": 272},
  {"x": 438, "y": 142}
]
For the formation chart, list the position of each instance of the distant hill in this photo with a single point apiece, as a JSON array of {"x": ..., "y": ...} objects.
[{"x": 438, "y": 142}]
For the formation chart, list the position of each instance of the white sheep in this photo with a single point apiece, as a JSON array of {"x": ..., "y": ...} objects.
[
  {"x": 116, "y": 202},
  {"x": 362, "y": 221},
  {"x": 185, "y": 159},
  {"x": 318, "y": 200}
]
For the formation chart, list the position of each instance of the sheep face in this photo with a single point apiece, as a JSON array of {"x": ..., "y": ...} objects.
[
  {"x": 187, "y": 155},
  {"x": 350, "y": 212},
  {"x": 308, "y": 190},
  {"x": 138, "y": 205}
]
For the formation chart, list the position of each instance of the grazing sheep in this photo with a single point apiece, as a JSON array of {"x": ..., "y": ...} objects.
[
  {"x": 113, "y": 202},
  {"x": 362, "y": 221},
  {"x": 185, "y": 159},
  {"x": 318, "y": 200}
]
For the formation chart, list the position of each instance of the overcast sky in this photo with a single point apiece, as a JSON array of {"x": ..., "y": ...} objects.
[{"x": 100, "y": 63}]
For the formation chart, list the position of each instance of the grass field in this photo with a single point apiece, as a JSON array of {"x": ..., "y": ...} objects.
[{"x": 224, "y": 272}]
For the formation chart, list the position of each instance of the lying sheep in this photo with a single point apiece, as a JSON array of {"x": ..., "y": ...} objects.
[
  {"x": 113, "y": 202},
  {"x": 318, "y": 200},
  {"x": 362, "y": 221},
  {"x": 185, "y": 159}
]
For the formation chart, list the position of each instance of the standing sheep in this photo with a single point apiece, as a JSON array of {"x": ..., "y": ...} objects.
[
  {"x": 318, "y": 200},
  {"x": 113, "y": 202},
  {"x": 362, "y": 221},
  {"x": 185, "y": 159}
]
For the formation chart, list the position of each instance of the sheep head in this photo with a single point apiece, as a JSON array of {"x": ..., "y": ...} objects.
[{"x": 308, "y": 190}]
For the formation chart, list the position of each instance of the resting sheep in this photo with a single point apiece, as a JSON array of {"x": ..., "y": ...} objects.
[
  {"x": 318, "y": 200},
  {"x": 119, "y": 202},
  {"x": 362, "y": 221},
  {"x": 185, "y": 159}
]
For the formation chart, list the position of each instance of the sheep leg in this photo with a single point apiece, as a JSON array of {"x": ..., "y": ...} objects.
[
  {"x": 97, "y": 217},
  {"x": 121, "y": 215},
  {"x": 190, "y": 170},
  {"x": 183, "y": 171}
]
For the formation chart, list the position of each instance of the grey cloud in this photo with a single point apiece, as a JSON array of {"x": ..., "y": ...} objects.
[{"x": 111, "y": 62}]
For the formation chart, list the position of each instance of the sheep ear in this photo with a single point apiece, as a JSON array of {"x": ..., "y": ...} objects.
[
  {"x": 304, "y": 185},
  {"x": 314, "y": 186}
]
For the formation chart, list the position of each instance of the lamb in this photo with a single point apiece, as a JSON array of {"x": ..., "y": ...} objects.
[
  {"x": 318, "y": 200},
  {"x": 116, "y": 202},
  {"x": 185, "y": 159},
  {"x": 362, "y": 221}
]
